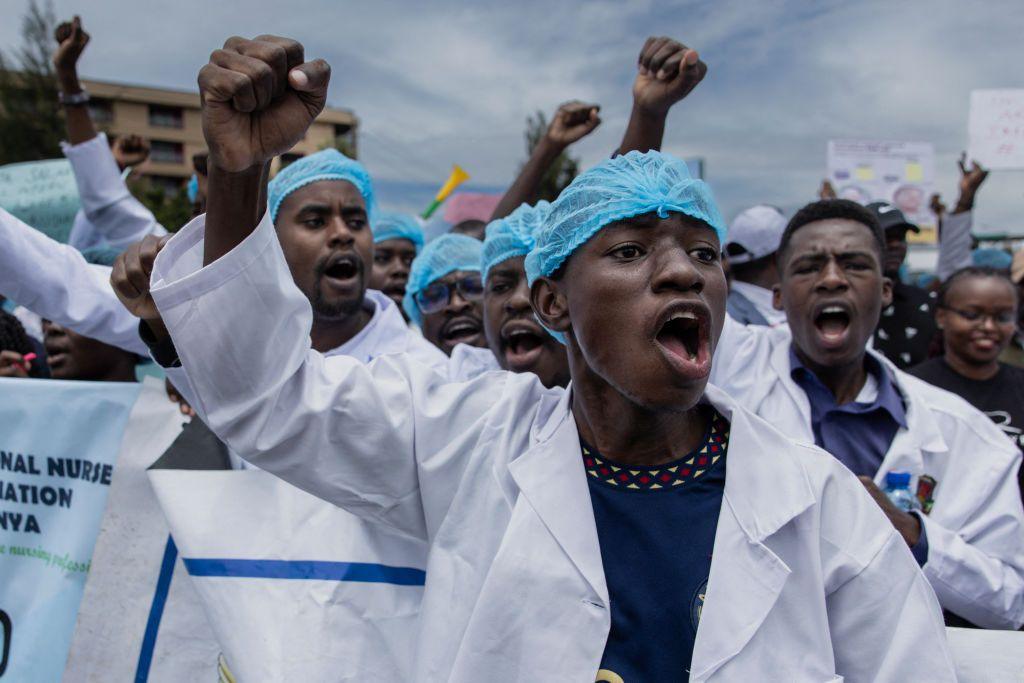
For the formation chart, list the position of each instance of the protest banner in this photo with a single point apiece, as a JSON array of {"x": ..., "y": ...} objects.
[
  {"x": 901, "y": 173},
  {"x": 995, "y": 129},
  {"x": 294, "y": 587},
  {"x": 43, "y": 194},
  {"x": 59, "y": 441},
  {"x": 140, "y": 618}
]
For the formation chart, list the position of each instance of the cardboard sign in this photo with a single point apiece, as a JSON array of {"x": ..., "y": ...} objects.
[{"x": 995, "y": 128}]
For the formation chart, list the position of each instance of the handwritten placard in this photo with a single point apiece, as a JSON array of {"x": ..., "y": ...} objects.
[
  {"x": 41, "y": 193},
  {"x": 995, "y": 128}
]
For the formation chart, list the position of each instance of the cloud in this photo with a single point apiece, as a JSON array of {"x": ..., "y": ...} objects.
[{"x": 443, "y": 82}]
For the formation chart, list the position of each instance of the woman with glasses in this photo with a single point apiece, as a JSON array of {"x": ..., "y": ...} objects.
[
  {"x": 445, "y": 293},
  {"x": 977, "y": 313}
]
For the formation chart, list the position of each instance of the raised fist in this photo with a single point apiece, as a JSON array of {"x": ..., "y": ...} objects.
[
  {"x": 826, "y": 191},
  {"x": 667, "y": 71},
  {"x": 259, "y": 96},
  {"x": 130, "y": 150},
  {"x": 71, "y": 41},
  {"x": 130, "y": 276},
  {"x": 573, "y": 121},
  {"x": 970, "y": 178}
]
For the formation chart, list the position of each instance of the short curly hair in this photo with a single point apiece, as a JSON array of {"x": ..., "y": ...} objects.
[{"x": 826, "y": 209}]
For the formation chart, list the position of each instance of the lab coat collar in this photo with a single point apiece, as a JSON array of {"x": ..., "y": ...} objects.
[
  {"x": 386, "y": 331},
  {"x": 921, "y": 434},
  {"x": 765, "y": 488},
  {"x": 551, "y": 477}
]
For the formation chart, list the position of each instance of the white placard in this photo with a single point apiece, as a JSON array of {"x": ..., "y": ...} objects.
[
  {"x": 995, "y": 128},
  {"x": 901, "y": 173}
]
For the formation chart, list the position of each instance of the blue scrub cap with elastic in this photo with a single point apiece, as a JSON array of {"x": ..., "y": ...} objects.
[
  {"x": 397, "y": 226},
  {"x": 446, "y": 254},
  {"x": 327, "y": 164}
]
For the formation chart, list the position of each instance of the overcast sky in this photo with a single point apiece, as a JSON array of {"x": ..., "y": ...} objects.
[{"x": 441, "y": 82}]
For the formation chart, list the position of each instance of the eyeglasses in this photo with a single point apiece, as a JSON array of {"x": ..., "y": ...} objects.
[
  {"x": 434, "y": 298},
  {"x": 1001, "y": 318}
]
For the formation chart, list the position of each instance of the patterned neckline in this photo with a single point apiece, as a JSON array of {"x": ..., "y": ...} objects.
[{"x": 668, "y": 476}]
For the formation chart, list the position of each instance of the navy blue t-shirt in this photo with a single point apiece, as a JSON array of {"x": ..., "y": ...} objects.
[{"x": 656, "y": 527}]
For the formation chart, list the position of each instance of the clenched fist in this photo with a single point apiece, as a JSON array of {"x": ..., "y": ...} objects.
[
  {"x": 130, "y": 150},
  {"x": 130, "y": 276},
  {"x": 259, "y": 96},
  {"x": 572, "y": 122},
  {"x": 667, "y": 71}
]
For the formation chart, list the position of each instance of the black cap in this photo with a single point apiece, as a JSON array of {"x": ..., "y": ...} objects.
[{"x": 889, "y": 216}]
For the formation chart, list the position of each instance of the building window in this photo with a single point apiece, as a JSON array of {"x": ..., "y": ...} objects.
[
  {"x": 101, "y": 111},
  {"x": 345, "y": 139},
  {"x": 166, "y": 117},
  {"x": 163, "y": 152}
]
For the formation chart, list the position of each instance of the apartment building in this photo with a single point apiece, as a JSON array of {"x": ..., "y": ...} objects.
[{"x": 170, "y": 120}]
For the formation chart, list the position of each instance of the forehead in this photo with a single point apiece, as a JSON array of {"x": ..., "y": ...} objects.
[
  {"x": 983, "y": 289},
  {"x": 396, "y": 244},
  {"x": 832, "y": 236},
  {"x": 510, "y": 266},
  {"x": 674, "y": 222},
  {"x": 333, "y": 193},
  {"x": 454, "y": 276}
]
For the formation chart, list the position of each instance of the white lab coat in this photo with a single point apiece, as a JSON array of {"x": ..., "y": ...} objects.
[
  {"x": 976, "y": 526},
  {"x": 53, "y": 280},
  {"x": 808, "y": 581},
  {"x": 110, "y": 216}
]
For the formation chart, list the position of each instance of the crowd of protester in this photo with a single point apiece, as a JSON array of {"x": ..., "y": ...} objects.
[{"x": 606, "y": 419}]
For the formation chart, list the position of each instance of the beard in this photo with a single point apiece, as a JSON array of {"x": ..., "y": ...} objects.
[{"x": 338, "y": 308}]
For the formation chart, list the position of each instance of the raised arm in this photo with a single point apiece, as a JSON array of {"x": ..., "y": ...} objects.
[
  {"x": 54, "y": 280},
  {"x": 351, "y": 434},
  {"x": 572, "y": 122},
  {"x": 667, "y": 71},
  {"x": 110, "y": 215},
  {"x": 955, "y": 232}
]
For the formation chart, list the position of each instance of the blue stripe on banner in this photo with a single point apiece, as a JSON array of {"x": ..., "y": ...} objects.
[
  {"x": 307, "y": 569},
  {"x": 156, "y": 611}
]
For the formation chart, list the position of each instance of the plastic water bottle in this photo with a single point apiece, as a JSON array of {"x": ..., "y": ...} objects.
[{"x": 897, "y": 487}]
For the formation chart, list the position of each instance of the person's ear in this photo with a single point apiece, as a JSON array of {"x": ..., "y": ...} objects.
[
  {"x": 549, "y": 304},
  {"x": 777, "y": 297},
  {"x": 886, "y": 292},
  {"x": 940, "y": 318}
]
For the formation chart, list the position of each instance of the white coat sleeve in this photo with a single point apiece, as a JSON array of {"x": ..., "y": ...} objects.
[
  {"x": 359, "y": 436},
  {"x": 110, "y": 215},
  {"x": 54, "y": 281},
  {"x": 954, "y": 244},
  {"x": 977, "y": 570},
  {"x": 886, "y": 624}
]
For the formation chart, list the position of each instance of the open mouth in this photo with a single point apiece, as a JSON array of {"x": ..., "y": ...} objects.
[
  {"x": 833, "y": 324},
  {"x": 683, "y": 336},
  {"x": 461, "y": 330},
  {"x": 342, "y": 270},
  {"x": 522, "y": 342}
]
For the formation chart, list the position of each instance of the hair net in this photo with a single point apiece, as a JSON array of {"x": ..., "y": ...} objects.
[
  {"x": 444, "y": 255},
  {"x": 992, "y": 258},
  {"x": 193, "y": 188},
  {"x": 397, "y": 226},
  {"x": 621, "y": 187},
  {"x": 328, "y": 164},
  {"x": 512, "y": 235}
]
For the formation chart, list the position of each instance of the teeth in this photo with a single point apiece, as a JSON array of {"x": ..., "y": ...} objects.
[
  {"x": 833, "y": 309},
  {"x": 683, "y": 315}
]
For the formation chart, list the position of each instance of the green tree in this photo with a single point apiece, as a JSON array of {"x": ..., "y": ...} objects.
[
  {"x": 564, "y": 168},
  {"x": 171, "y": 209},
  {"x": 31, "y": 125}
]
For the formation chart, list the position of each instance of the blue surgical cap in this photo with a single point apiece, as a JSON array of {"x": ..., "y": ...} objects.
[
  {"x": 193, "y": 188},
  {"x": 512, "y": 235},
  {"x": 327, "y": 164},
  {"x": 447, "y": 254},
  {"x": 992, "y": 258},
  {"x": 397, "y": 226},
  {"x": 621, "y": 187}
]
